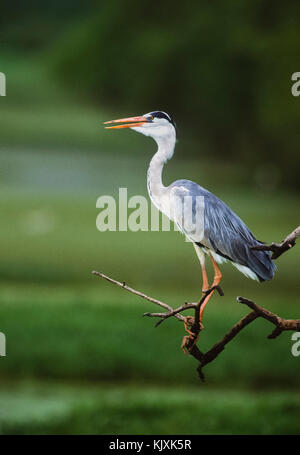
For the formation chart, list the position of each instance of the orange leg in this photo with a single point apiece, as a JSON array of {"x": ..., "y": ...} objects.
[
  {"x": 216, "y": 282},
  {"x": 191, "y": 339},
  {"x": 205, "y": 285},
  {"x": 201, "y": 257},
  {"x": 188, "y": 321}
]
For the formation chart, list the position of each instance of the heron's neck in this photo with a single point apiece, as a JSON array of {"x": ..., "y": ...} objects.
[{"x": 165, "y": 151}]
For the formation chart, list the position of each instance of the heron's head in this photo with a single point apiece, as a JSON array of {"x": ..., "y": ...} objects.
[{"x": 156, "y": 124}]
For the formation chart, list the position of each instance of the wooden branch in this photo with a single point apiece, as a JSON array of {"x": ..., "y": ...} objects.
[
  {"x": 280, "y": 323},
  {"x": 140, "y": 294},
  {"x": 186, "y": 306},
  {"x": 210, "y": 355},
  {"x": 193, "y": 325},
  {"x": 280, "y": 326},
  {"x": 189, "y": 342},
  {"x": 279, "y": 248},
  {"x": 164, "y": 316}
]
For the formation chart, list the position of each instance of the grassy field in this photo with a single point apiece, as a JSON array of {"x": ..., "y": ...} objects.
[
  {"x": 112, "y": 409},
  {"x": 96, "y": 333},
  {"x": 80, "y": 358}
]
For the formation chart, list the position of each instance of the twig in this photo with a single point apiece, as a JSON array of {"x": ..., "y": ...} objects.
[
  {"x": 165, "y": 316},
  {"x": 279, "y": 248},
  {"x": 186, "y": 306},
  {"x": 140, "y": 294},
  {"x": 189, "y": 342}
]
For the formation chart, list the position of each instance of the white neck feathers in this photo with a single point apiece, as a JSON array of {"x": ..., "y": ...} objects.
[{"x": 165, "y": 151}]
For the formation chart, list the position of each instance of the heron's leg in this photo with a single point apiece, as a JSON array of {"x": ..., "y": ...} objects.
[
  {"x": 216, "y": 282},
  {"x": 201, "y": 257},
  {"x": 189, "y": 320},
  {"x": 218, "y": 274}
]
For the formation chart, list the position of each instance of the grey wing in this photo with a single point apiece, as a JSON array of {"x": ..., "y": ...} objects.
[{"x": 227, "y": 235}]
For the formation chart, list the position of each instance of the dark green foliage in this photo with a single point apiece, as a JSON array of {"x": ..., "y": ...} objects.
[{"x": 223, "y": 69}]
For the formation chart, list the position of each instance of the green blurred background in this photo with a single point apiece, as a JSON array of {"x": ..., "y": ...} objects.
[{"x": 80, "y": 358}]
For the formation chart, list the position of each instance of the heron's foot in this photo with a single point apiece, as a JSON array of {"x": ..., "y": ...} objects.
[
  {"x": 185, "y": 343},
  {"x": 189, "y": 341},
  {"x": 189, "y": 321}
]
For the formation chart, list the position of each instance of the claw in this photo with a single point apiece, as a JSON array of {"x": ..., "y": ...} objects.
[
  {"x": 185, "y": 341},
  {"x": 191, "y": 338}
]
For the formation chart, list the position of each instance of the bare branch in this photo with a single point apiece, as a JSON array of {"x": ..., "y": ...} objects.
[
  {"x": 164, "y": 316},
  {"x": 280, "y": 323},
  {"x": 140, "y": 294},
  {"x": 279, "y": 248},
  {"x": 189, "y": 341},
  {"x": 210, "y": 355},
  {"x": 193, "y": 325}
]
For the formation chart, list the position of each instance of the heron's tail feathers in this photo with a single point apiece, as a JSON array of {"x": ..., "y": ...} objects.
[
  {"x": 254, "y": 264},
  {"x": 246, "y": 271},
  {"x": 261, "y": 264}
]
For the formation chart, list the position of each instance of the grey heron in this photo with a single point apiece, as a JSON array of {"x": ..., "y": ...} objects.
[{"x": 223, "y": 235}]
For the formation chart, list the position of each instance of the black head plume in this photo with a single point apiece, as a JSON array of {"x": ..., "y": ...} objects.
[{"x": 161, "y": 114}]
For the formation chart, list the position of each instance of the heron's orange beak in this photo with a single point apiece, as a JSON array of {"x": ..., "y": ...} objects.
[{"x": 135, "y": 121}]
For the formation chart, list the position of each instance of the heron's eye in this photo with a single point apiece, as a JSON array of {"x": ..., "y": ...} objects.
[{"x": 151, "y": 117}]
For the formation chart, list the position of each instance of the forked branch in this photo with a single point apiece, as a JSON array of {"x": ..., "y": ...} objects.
[{"x": 194, "y": 327}]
